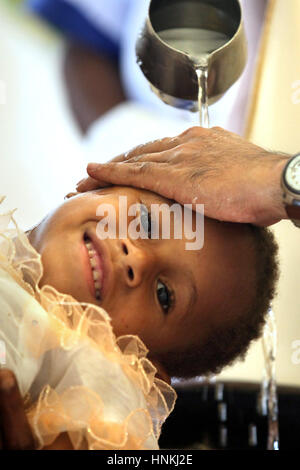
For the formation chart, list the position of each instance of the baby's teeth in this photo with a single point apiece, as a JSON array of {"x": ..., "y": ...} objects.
[{"x": 96, "y": 274}]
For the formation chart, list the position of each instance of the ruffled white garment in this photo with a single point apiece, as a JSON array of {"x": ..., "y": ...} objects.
[{"x": 75, "y": 376}]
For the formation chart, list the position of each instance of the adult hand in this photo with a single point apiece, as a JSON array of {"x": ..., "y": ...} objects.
[
  {"x": 15, "y": 432},
  {"x": 236, "y": 180}
]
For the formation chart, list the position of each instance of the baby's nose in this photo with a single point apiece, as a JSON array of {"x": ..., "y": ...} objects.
[{"x": 136, "y": 261}]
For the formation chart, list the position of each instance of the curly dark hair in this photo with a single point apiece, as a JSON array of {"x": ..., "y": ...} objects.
[{"x": 230, "y": 342}]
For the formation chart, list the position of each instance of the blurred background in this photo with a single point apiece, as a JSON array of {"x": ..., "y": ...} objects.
[{"x": 67, "y": 97}]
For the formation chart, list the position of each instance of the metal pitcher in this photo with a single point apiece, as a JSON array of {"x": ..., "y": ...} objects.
[{"x": 172, "y": 72}]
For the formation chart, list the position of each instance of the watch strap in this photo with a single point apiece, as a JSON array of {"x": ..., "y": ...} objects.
[
  {"x": 290, "y": 198},
  {"x": 293, "y": 211}
]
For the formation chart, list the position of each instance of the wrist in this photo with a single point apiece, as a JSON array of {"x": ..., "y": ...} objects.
[
  {"x": 269, "y": 207},
  {"x": 279, "y": 169}
]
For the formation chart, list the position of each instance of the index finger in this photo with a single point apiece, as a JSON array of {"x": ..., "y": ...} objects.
[
  {"x": 154, "y": 147},
  {"x": 90, "y": 184},
  {"x": 15, "y": 429}
]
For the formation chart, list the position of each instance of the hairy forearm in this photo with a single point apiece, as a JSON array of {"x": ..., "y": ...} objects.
[{"x": 92, "y": 82}]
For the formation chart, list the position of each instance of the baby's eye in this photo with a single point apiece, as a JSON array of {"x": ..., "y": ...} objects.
[
  {"x": 164, "y": 296},
  {"x": 146, "y": 221}
]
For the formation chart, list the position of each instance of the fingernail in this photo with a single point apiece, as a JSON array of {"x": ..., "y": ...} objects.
[
  {"x": 92, "y": 167},
  {"x": 69, "y": 195}
]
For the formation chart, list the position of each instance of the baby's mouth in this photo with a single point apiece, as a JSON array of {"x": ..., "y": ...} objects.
[{"x": 96, "y": 267}]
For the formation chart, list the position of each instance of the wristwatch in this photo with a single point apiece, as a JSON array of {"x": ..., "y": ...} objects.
[{"x": 290, "y": 183}]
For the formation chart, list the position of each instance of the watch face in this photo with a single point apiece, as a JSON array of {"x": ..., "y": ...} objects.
[{"x": 292, "y": 174}]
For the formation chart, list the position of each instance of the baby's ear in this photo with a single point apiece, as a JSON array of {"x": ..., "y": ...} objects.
[{"x": 161, "y": 371}]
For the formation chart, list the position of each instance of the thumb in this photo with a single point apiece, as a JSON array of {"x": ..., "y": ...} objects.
[{"x": 117, "y": 172}]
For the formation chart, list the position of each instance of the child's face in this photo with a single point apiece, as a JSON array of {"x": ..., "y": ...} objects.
[{"x": 156, "y": 289}]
